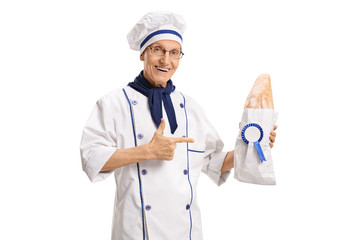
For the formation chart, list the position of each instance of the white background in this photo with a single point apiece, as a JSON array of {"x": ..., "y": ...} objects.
[{"x": 58, "y": 57}]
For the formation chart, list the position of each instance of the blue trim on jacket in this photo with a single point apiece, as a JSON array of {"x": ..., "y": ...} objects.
[
  {"x": 188, "y": 168},
  {"x": 137, "y": 165},
  {"x": 190, "y": 150}
]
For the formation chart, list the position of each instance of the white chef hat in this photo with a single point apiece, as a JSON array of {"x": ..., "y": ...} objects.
[{"x": 155, "y": 26}]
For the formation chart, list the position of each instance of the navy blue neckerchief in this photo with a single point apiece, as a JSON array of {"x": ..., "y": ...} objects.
[{"x": 156, "y": 96}]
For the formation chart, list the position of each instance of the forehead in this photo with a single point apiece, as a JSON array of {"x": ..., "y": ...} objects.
[{"x": 166, "y": 44}]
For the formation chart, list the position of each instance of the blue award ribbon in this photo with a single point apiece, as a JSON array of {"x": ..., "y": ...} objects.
[
  {"x": 256, "y": 143},
  {"x": 259, "y": 151}
]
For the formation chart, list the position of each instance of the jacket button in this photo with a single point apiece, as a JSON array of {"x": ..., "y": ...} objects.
[
  {"x": 148, "y": 207},
  {"x": 181, "y": 105},
  {"x": 144, "y": 172},
  {"x": 187, "y": 206},
  {"x": 186, "y": 171},
  {"x": 140, "y": 136},
  {"x": 134, "y": 102}
]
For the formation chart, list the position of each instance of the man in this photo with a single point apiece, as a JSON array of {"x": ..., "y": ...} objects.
[{"x": 156, "y": 158}]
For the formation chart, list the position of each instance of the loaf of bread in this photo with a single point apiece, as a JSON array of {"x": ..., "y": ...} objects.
[{"x": 260, "y": 95}]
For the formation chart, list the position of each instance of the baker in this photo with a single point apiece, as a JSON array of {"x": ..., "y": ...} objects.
[{"x": 156, "y": 141}]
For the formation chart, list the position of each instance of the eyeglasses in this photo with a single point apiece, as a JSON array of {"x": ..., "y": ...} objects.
[{"x": 158, "y": 51}]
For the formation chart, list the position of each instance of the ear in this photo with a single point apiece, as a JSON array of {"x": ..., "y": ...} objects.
[{"x": 142, "y": 57}]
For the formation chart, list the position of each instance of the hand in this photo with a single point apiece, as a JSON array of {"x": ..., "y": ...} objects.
[
  {"x": 271, "y": 137},
  {"x": 163, "y": 148}
]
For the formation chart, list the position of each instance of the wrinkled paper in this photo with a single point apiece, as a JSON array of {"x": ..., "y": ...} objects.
[{"x": 247, "y": 165}]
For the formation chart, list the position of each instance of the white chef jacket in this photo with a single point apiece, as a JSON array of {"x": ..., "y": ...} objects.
[{"x": 155, "y": 200}]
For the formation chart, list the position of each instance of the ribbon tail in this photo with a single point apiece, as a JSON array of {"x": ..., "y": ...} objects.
[{"x": 259, "y": 151}]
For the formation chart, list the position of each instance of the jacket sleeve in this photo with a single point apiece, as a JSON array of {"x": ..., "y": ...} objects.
[
  {"x": 214, "y": 156},
  {"x": 98, "y": 141}
]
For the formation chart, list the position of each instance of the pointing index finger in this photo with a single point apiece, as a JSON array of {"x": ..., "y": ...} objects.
[{"x": 183, "y": 139}]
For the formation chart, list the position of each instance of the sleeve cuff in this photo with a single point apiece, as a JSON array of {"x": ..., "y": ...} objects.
[
  {"x": 97, "y": 159},
  {"x": 214, "y": 168}
]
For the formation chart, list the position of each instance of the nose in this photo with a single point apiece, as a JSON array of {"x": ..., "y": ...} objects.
[{"x": 165, "y": 59}]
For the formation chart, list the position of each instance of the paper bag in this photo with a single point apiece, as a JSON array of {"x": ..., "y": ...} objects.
[{"x": 253, "y": 160}]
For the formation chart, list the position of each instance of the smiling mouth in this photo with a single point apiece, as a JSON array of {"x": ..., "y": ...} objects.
[{"x": 162, "y": 69}]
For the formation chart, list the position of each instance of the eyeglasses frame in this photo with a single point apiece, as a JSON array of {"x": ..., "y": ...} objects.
[{"x": 164, "y": 51}]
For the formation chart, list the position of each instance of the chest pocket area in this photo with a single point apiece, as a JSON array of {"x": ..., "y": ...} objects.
[{"x": 196, "y": 157}]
